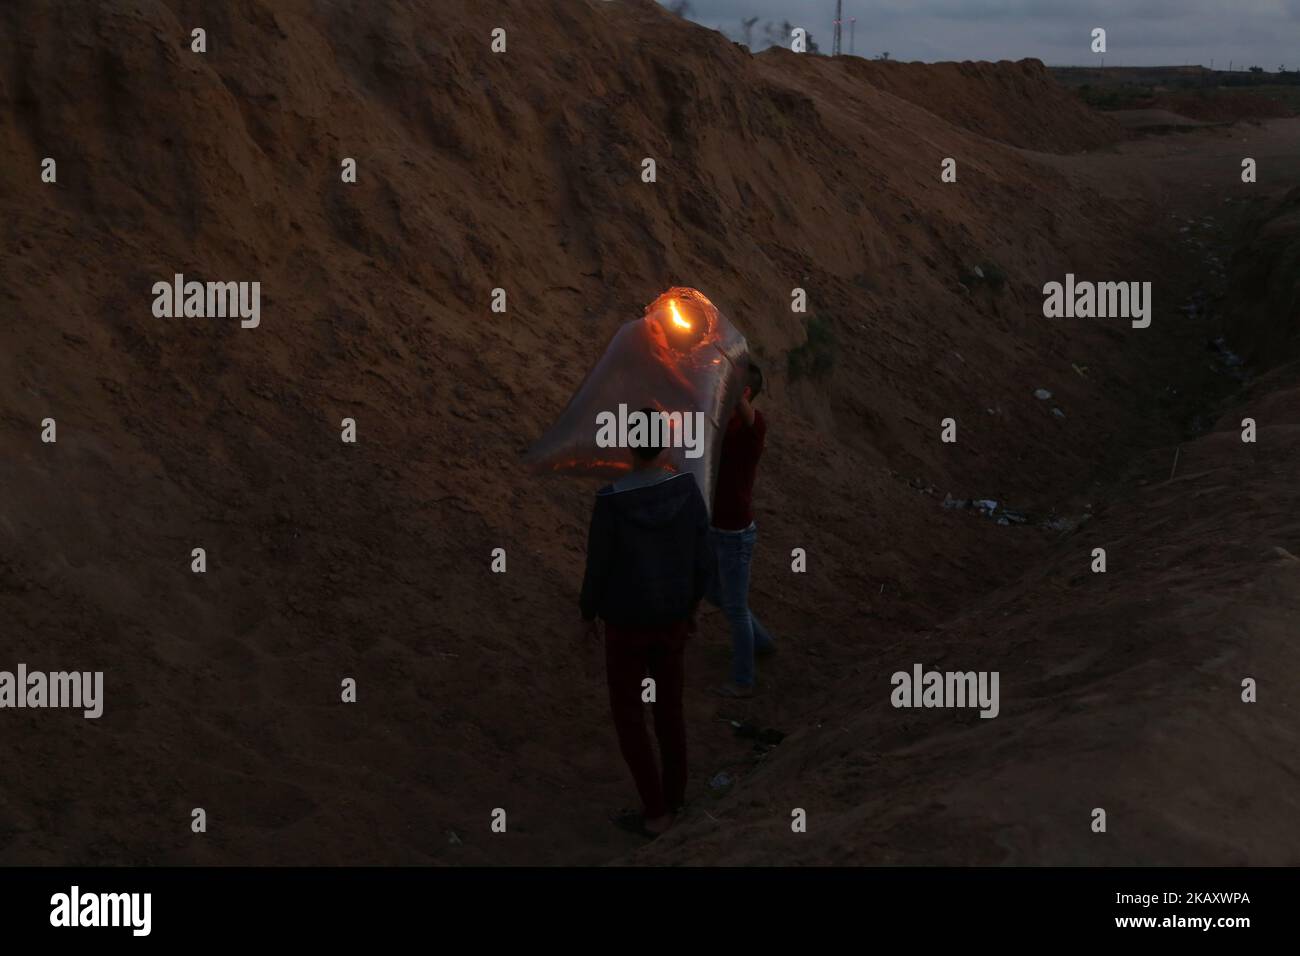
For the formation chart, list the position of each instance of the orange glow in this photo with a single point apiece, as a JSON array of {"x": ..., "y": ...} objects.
[{"x": 677, "y": 317}]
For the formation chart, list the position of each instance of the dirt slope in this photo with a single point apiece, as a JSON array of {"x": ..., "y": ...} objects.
[
  {"x": 477, "y": 171},
  {"x": 1017, "y": 103},
  {"x": 1119, "y": 690},
  {"x": 1267, "y": 319}
]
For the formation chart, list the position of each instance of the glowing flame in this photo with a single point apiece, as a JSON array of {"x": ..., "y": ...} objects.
[{"x": 677, "y": 317}]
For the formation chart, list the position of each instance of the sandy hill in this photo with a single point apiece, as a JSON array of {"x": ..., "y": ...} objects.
[
  {"x": 477, "y": 171},
  {"x": 1017, "y": 103},
  {"x": 1126, "y": 687}
]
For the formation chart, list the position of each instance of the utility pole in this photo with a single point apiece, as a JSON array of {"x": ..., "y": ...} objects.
[
  {"x": 853, "y": 22},
  {"x": 839, "y": 16}
]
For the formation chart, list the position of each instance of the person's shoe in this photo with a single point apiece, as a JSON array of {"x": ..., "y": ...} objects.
[
  {"x": 658, "y": 827},
  {"x": 634, "y": 822},
  {"x": 735, "y": 691}
]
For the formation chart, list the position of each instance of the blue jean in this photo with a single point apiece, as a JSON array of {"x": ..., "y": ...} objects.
[{"x": 730, "y": 592}]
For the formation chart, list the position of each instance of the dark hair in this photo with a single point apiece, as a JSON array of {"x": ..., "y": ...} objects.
[
  {"x": 754, "y": 379},
  {"x": 649, "y": 451}
]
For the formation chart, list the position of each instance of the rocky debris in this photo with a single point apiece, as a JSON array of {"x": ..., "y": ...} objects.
[
  {"x": 985, "y": 274},
  {"x": 923, "y": 486},
  {"x": 1005, "y": 516},
  {"x": 1226, "y": 361},
  {"x": 1065, "y": 524},
  {"x": 764, "y": 739}
]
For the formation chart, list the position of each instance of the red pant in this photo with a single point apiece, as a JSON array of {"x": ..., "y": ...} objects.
[{"x": 629, "y": 655}]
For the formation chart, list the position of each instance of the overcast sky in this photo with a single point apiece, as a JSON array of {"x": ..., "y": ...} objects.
[{"x": 1058, "y": 32}]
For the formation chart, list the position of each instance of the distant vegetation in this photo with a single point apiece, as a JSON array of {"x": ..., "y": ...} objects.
[
  {"x": 1190, "y": 90},
  {"x": 816, "y": 357},
  {"x": 1125, "y": 97},
  {"x": 769, "y": 35}
]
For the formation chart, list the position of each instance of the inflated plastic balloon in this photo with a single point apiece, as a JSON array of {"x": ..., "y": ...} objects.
[{"x": 681, "y": 356}]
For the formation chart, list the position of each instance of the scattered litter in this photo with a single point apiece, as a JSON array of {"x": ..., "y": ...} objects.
[
  {"x": 720, "y": 781},
  {"x": 1058, "y": 413},
  {"x": 1065, "y": 524},
  {"x": 1232, "y": 362},
  {"x": 921, "y": 485},
  {"x": 764, "y": 739},
  {"x": 1006, "y": 516},
  {"x": 985, "y": 273},
  {"x": 1042, "y": 394}
]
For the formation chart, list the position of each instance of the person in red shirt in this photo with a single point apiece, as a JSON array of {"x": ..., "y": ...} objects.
[{"x": 734, "y": 532}]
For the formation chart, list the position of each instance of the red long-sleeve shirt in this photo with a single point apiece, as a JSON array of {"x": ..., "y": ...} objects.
[{"x": 742, "y": 446}]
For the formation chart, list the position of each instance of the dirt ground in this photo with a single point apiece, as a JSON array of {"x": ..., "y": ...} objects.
[{"x": 521, "y": 171}]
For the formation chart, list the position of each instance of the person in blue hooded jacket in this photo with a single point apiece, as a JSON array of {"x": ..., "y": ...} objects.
[{"x": 649, "y": 564}]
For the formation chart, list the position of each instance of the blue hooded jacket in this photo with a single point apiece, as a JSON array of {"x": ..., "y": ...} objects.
[{"x": 649, "y": 562}]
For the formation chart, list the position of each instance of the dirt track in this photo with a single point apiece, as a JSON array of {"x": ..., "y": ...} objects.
[{"x": 372, "y": 561}]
